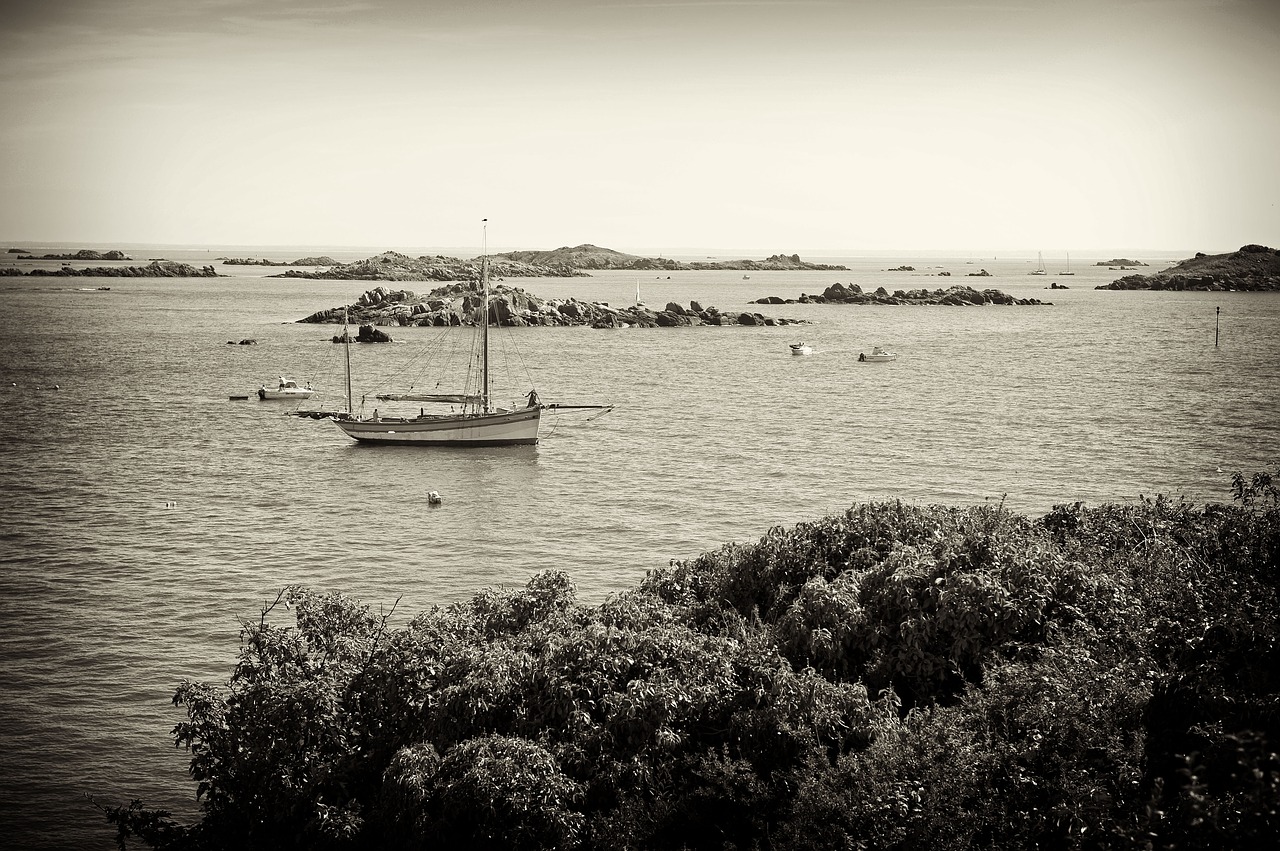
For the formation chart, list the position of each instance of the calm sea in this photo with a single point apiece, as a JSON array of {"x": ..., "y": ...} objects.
[{"x": 145, "y": 514}]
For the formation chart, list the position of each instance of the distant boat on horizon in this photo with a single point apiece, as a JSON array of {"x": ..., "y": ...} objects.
[{"x": 1068, "y": 272}]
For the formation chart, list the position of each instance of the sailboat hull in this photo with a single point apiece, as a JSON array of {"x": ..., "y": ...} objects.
[{"x": 504, "y": 428}]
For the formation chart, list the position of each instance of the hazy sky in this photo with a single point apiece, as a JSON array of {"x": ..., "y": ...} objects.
[{"x": 648, "y": 125}]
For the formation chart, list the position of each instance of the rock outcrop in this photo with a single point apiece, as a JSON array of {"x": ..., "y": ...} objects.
[
  {"x": 394, "y": 266},
  {"x": 1253, "y": 268},
  {"x": 459, "y": 304},
  {"x": 955, "y": 296},
  {"x": 83, "y": 254},
  {"x": 1122, "y": 262},
  {"x": 323, "y": 260}
]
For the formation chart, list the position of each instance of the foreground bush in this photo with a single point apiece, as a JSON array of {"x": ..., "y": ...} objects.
[{"x": 895, "y": 677}]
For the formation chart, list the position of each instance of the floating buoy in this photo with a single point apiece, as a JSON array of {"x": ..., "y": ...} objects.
[{"x": 433, "y": 498}]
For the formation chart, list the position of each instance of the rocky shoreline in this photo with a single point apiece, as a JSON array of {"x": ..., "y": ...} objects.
[
  {"x": 1254, "y": 268},
  {"x": 394, "y": 266},
  {"x": 955, "y": 296},
  {"x": 559, "y": 263},
  {"x": 458, "y": 304},
  {"x": 154, "y": 269}
]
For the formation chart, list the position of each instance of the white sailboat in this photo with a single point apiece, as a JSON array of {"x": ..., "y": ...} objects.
[
  {"x": 480, "y": 422},
  {"x": 1039, "y": 270},
  {"x": 1068, "y": 272}
]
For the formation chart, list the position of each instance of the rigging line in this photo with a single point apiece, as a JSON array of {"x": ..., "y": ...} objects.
[
  {"x": 394, "y": 379},
  {"x": 509, "y": 336}
]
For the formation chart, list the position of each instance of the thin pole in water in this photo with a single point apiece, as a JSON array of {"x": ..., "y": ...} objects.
[{"x": 1216, "y": 312}]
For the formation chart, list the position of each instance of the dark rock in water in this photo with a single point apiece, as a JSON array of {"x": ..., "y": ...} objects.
[
  {"x": 981, "y": 273},
  {"x": 365, "y": 334},
  {"x": 369, "y": 334},
  {"x": 1057, "y": 286},
  {"x": 902, "y": 269},
  {"x": 1254, "y": 268},
  {"x": 1120, "y": 262}
]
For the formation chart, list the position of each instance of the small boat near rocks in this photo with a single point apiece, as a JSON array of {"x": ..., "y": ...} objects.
[{"x": 801, "y": 348}]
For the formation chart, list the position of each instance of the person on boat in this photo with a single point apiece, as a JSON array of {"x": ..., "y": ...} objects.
[
  {"x": 533, "y": 399},
  {"x": 862, "y": 356}
]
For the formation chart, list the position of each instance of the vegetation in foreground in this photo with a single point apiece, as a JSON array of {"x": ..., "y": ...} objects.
[{"x": 895, "y": 677}]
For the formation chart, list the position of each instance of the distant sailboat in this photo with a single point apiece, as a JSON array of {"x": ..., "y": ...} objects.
[
  {"x": 1039, "y": 270},
  {"x": 1068, "y": 272}
]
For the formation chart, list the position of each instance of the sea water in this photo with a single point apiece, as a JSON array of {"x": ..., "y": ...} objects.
[{"x": 145, "y": 513}]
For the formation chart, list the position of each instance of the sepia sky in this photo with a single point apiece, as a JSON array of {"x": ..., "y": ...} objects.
[{"x": 652, "y": 125}]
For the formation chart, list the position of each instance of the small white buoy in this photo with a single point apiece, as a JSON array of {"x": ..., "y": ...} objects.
[{"x": 433, "y": 498}]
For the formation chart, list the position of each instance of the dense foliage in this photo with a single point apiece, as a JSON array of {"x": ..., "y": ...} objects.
[{"x": 896, "y": 677}]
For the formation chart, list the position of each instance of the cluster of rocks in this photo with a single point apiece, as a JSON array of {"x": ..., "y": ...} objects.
[
  {"x": 459, "y": 304},
  {"x": 323, "y": 260},
  {"x": 1254, "y": 268},
  {"x": 956, "y": 296},
  {"x": 154, "y": 269},
  {"x": 366, "y": 334}
]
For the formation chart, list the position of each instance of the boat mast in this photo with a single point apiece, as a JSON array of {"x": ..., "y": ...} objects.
[
  {"x": 346, "y": 344},
  {"x": 484, "y": 340}
]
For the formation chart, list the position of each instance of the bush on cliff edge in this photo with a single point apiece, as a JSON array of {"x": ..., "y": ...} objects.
[{"x": 893, "y": 677}]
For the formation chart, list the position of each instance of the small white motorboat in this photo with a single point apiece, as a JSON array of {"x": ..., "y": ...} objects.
[
  {"x": 288, "y": 389},
  {"x": 878, "y": 355},
  {"x": 801, "y": 348}
]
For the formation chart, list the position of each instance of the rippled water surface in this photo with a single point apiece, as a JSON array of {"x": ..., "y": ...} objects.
[{"x": 145, "y": 513}]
